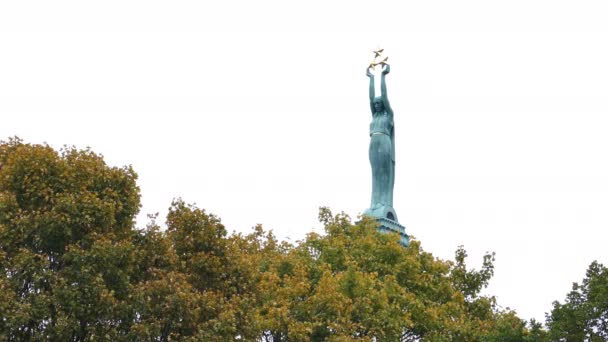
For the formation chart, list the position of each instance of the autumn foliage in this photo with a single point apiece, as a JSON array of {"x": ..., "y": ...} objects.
[{"x": 74, "y": 267}]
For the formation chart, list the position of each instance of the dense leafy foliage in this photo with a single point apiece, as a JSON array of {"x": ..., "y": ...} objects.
[
  {"x": 584, "y": 314},
  {"x": 74, "y": 268}
]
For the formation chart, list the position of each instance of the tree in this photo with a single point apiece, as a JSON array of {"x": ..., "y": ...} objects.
[
  {"x": 205, "y": 288},
  {"x": 356, "y": 283},
  {"x": 584, "y": 314},
  {"x": 65, "y": 253}
]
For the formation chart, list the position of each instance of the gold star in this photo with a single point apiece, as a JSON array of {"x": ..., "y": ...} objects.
[{"x": 377, "y": 53}]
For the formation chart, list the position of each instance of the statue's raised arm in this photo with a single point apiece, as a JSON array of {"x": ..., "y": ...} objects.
[
  {"x": 387, "y": 106},
  {"x": 372, "y": 88}
]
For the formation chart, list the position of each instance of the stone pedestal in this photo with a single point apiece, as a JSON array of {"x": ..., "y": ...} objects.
[
  {"x": 382, "y": 211},
  {"x": 387, "y": 226}
]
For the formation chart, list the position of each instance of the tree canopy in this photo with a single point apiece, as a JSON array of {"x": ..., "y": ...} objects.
[
  {"x": 584, "y": 314},
  {"x": 74, "y": 267}
]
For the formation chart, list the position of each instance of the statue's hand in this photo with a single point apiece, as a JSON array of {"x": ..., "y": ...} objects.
[
  {"x": 386, "y": 70},
  {"x": 368, "y": 72}
]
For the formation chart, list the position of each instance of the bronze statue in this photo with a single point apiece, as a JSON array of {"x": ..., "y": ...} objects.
[{"x": 382, "y": 145}]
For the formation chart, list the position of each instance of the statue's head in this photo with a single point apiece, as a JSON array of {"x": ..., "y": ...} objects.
[{"x": 378, "y": 104}]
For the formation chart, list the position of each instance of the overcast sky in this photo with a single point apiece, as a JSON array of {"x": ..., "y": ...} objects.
[{"x": 258, "y": 112}]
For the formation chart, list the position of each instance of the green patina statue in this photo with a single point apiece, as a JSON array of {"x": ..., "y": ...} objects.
[
  {"x": 381, "y": 147},
  {"x": 382, "y": 155}
]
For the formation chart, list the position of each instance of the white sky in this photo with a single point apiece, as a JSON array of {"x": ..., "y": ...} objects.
[{"x": 258, "y": 112}]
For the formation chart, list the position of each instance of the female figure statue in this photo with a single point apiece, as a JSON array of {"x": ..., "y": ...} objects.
[{"x": 381, "y": 150}]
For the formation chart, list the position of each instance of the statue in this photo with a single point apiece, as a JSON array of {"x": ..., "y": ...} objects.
[
  {"x": 382, "y": 155},
  {"x": 382, "y": 145}
]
